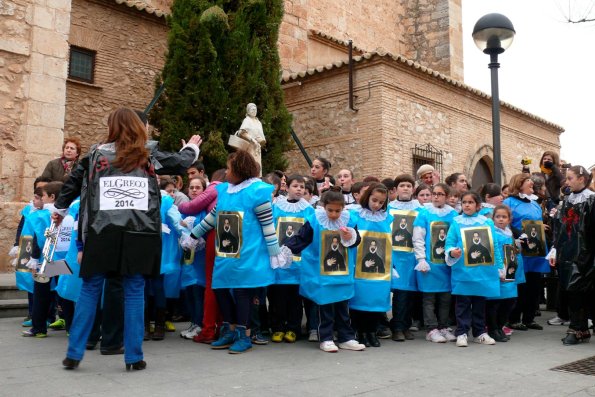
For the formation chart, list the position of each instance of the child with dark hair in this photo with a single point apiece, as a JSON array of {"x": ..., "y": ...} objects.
[
  {"x": 404, "y": 210},
  {"x": 345, "y": 179},
  {"x": 491, "y": 197},
  {"x": 392, "y": 188},
  {"x": 357, "y": 189},
  {"x": 320, "y": 168},
  {"x": 373, "y": 265},
  {"x": 326, "y": 277}
]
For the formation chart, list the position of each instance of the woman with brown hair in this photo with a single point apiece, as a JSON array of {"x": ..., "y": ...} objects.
[
  {"x": 119, "y": 224},
  {"x": 59, "y": 169},
  {"x": 527, "y": 225}
]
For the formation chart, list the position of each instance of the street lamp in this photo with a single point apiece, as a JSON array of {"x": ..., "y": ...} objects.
[{"x": 493, "y": 34}]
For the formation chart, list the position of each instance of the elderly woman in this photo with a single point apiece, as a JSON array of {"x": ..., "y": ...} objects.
[
  {"x": 59, "y": 169},
  {"x": 120, "y": 225}
]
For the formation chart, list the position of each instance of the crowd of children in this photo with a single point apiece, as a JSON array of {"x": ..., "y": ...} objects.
[{"x": 342, "y": 251}]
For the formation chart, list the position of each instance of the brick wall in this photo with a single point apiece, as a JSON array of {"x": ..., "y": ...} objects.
[
  {"x": 400, "y": 106},
  {"x": 130, "y": 47}
]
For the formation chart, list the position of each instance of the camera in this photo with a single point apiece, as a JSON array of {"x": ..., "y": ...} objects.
[{"x": 525, "y": 161}]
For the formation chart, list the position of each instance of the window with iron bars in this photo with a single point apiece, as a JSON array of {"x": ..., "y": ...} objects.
[{"x": 426, "y": 154}]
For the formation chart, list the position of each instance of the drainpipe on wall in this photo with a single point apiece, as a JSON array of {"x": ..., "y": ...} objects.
[{"x": 350, "y": 46}]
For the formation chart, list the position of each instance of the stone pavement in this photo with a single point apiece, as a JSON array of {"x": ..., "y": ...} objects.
[{"x": 521, "y": 367}]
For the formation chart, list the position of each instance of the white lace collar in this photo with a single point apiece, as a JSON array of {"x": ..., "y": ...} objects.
[
  {"x": 314, "y": 199},
  {"x": 353, "y": 207},
  {"x": 231, "y": 189},
  {"x": 405, "y": 205},
  {"x": 285, "y": 205},
  {"x": 470, "y": 220},
  {"x": 110, "y": 146},
  {"x": 506, "y": 232},
  {"x": 322, "y": 218},
  {"x": 577, "y": 198},
  {"x": 531, "y": 197},
  {"x": 371, "y": 216},
  {"x": 49, "y": 207},
  {"x": 487, "y": 205},
  {"x": 447, "y": 209}
]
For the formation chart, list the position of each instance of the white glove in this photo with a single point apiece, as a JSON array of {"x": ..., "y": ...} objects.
[
  {"x": 14, "y": 262},
  {"x": 279, "y": 262},
  {"x": 518, "y": 243},
  {"x": 523, "y": 236},
  {"x": 551, "y": 254},
  {"x": 13, "y": 251},
  {"x": 422, "y": 266},
  {"x": 190, "y": 243},
  {"x": 189, "y": 221},
  {"x": 33, "y": 264},
  {"x": 395, "y": 273}
]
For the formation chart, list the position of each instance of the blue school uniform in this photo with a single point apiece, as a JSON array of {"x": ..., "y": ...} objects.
[
  {"x": 194, "y": 273},
  {"x": 327, "y": 275},
  {"x": 24, "y": 278},
  {"x": 287, "y": 214},
  {"x": 523, "y": 210},
  {"x": 487, "y": 210},
  {"x": 403, "y": 257},
  {"x": 475, "y": 272},
  {"x": 69, "y": 285},
  {"x": 373, "y": 267},
  {"x": 504, "y": 242},
  {"x": 434, "y": 223},
  {"x": 241, "y": 255}
]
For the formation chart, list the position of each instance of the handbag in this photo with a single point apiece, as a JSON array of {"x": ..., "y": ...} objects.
[{"x": 237, "y": 142}]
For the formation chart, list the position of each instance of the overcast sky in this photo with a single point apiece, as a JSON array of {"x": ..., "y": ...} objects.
[{"x": 548, "y": 70}]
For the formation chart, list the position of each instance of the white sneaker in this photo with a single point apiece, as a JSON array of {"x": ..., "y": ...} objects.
[
  {"x": 557, "y": 321},
  {"x": 448, "y": 335},
  {"x": 184, "y": 332},
  {"x": 193, "y": 332},
  {"x": 435, "y": 336},
  {"x": 462, "y": 340},
  {"x": 329, "y": 346},
  {"x": 313, "y": 337},
  {"x": 484, "y": 339},
  {"x": 352, "y": 345}
]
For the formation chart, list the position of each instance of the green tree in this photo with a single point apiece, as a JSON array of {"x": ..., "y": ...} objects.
[{"x": 221, "y": 56}]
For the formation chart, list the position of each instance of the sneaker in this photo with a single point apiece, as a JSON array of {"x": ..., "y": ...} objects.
[
  {"x": 462, "y": 340},
  {"x": 277, "y": 337},
  {"x": 259, "y": 339},
  {"x": 557, "y": 321},
  {"x": 27, "y": 323},
  {"x": 435, "y": 336},
  {"x": 184, "y": 332},
  {"x": 205, "y": 336},
  {"x": 408, "y": 334},
  {"x": 226, "y": 339},
  {"x": 518, "y": 326},
  {"x": 507, "y": 331},
  {"x": 313, "y": 336},
  {"x": 242, "y": 343},
  {"x": 484, "y": 339},
  {"x": 589, "y": 323},
  {"x": 32, "y": 334},
  {"x": 534, "y": 325},
  {"x": 193, "y": 332},
  {"x": 290, "y": 337},
  {"x": 170, "y": 327},
  {"x": 448, "y": 335},
  {"x": 414, "y": 326},
  {"x": 384, "y": 333},
  {"x": 58, "y": 325},
  {"x": 328, "y": 346},
  {"x": 399, "y": 336},
  {"x": 352, "y": 345}
]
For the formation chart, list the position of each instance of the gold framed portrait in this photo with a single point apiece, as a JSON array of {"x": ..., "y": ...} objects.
[
  {"x": 334, "y": 257},
  {"x": 287, "y": 227},
  {"x": 402, "y": 230},
  {"x": 228, "y": 237},
  {"x": 511, "y": 264},
  {"x": 438, "y": 232},
  {"x": 24, "y": 253},
  {"x": 374, "y": 256},
  {"x": 478, "y": 244},
  {"x": 535, "y": 238}
]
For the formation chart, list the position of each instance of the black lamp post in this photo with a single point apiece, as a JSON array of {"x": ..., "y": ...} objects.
[{"x": 493, "y": 34}]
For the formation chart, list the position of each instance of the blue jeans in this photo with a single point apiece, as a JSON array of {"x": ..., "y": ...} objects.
[
  {"x": 84, "y": 315},
  {"x": 470, "y": 312}
]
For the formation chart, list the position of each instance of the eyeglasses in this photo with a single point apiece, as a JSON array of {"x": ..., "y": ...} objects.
[{"x": 438, "y": 194}]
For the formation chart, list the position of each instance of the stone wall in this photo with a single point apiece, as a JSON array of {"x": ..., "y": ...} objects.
[
  {"x": 33, "y": 65},
  {"x": 428, "y": 31},
  {"x": 126, "y": 64},
  {"x": 401, "y": 106}
]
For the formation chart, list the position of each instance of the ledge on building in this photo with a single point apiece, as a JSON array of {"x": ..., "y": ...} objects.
[{"x": 90, "y": 85}]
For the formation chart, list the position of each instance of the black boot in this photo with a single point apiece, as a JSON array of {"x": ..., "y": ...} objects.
[
  {"x": 373, "y": 339},
  {"x": 363, "y": 339},
  {"x": 148, "y": 334}
]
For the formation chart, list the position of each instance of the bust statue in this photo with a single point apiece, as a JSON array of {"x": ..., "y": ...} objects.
[{"x": 251, "y": 131}]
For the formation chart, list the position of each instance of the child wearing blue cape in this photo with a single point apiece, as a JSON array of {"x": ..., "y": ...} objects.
[
  {"x": 23, "y": 275},
  {"x": 476, "y": 268},
  {"x": 285, "y": 304},
  {"x": 433, "y": 275},
  {"x": 42, "y": 292},
  {"x": 404, "y": 210},
  {"x": 498, "y": 308},
  {"x": 491, "y": 196},
  {"x": 326, "y": 241},
  {"x": 373, "y": 265}
]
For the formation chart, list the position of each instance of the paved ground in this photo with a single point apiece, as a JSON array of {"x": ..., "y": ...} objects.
[{"x": 521, "y": 367}]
